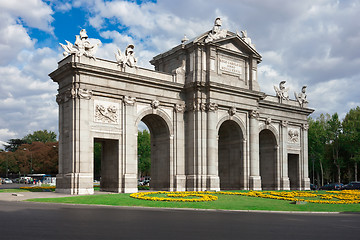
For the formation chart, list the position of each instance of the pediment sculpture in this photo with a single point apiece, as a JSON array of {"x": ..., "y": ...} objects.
[
  {"x": 216, "y": 33},
  {"x": 82, "y": 46}
]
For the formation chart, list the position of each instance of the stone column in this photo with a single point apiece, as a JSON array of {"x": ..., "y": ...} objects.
[
  {"x": 305, "y": 180},
  {"x": 75, "y": 158},
  {"x": 285, "y": 182},
  {"x": 180, "y": 178},
  {"x": 213, "y": 181},
  {"x": 129, "y": 145},
  {"x": 255, "y": 179}
]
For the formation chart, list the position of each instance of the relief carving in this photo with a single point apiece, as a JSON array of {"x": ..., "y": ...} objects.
[
  {"x": 106, "y": 112},
  {"x": 293, "y": 135}
]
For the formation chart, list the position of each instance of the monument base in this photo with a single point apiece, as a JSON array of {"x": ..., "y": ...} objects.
[
  {"x": 75, "y": 183},
  {"x": 255, "y": 183}
]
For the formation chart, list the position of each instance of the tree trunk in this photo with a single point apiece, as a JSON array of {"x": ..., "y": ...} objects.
[
  {"x": 339, "y": 176},
  {"x": 322, "y": 173},
  {"x": 356, "y": 172}
]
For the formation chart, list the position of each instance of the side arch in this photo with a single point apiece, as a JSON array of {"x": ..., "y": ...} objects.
[
  {"x": 160, "y": 113},
  {"x": 161, "y": 136},
  {"x": 239, "y": 122}
]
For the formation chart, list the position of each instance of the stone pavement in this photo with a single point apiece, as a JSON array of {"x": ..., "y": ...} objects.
[{"x": 20, "y": 196}]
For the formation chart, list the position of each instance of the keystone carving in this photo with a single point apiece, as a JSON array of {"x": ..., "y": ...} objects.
[
  {"x": 232, "y": 111},
  {"x": 155, "y": 104}
]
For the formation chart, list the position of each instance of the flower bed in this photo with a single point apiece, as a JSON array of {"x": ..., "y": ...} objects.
[
  {"x": 330, "y": 197},
  {"x": 176, "y": 196}
]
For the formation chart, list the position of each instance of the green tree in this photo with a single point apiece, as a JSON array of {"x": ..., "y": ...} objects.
[
  {"x": 14, "y": 144},
  {"x": 351, "y": 130},
  {"x": 144, "y": 153},
  {"x": 97, "y": 160},
  {"x": 317, "y": 141},
  {"x": 334, "y": 131},
  {"x": 40, "y": 136}
]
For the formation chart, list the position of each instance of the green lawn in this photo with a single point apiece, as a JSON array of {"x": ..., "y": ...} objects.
[{"x": 225, "y": 202}]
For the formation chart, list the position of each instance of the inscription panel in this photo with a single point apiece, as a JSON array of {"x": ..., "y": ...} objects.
[{"x": 230, "y": 66}]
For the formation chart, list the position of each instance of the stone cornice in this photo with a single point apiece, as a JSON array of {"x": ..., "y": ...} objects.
[
  {"x": 285, "y": 107},
  {"x": 86, "y": 69}
]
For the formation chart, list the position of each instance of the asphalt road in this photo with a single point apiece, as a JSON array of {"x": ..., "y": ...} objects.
[{"x": 25, "y": 220}]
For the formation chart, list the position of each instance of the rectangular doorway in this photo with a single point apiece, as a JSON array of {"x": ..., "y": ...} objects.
[{"x": 293, "y": 171}]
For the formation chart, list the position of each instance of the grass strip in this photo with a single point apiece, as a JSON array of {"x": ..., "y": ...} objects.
[{"x": 224, "y": 202}]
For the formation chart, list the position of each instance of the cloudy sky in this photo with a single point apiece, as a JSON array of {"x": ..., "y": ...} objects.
[{"x": 313, "y": 43}]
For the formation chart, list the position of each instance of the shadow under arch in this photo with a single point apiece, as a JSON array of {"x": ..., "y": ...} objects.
[
  {"x": 268, "y": 158},
  {"x": 160, "y": 134},
  {"x": 231, "y": 155}
]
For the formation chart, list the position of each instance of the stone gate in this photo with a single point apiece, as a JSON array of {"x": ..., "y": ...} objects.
[{"x": 211, "y": 127}]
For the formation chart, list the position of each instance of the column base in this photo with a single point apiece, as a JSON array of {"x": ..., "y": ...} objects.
[
  {"x": 305, "y": 184},
  {"x": 130, "y": 183},
  {"x": 285, "y": 183},
  {"x": 75, "y": 183},
  {"x": 213, "y": 183},
  {"x": 180, "y": 183},
  {"x": 255, "y": 183}
]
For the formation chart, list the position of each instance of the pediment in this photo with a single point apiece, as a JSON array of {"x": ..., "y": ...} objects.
[{"x": 232, "y": 42}]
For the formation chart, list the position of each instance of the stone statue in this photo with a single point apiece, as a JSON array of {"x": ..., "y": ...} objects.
[
  {"x": 301, "y": 97},
  {"x": 127, "y": 59},
  {"x": 282, "y": 92},
  {"x": 82, "y": 46},
  {"x": 245, "y": 37},
  {"x": 216, "y": 33}
]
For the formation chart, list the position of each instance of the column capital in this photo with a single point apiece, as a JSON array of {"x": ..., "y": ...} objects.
[
  {"x": 305, "y": 126},
  {"x": 212, "y": 107},
  {"x": 254, "y": 114},
  {"x": 128, "y": 100},
  {"x": 179, "y": 108},
  {"x": 284, "y": 123}
]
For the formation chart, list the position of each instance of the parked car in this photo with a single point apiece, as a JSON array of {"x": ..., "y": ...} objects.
[
  {"x": 351, "y": 186},
  {"x": 332, "y": 186},
  {"x": 7, "y": 180}
]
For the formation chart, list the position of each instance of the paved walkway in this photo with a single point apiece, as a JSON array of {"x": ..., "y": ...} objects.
[{"x": 20, "y": 196}]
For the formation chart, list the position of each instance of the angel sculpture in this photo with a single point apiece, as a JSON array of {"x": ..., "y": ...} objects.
[
  {"x": 127, "y": 59},
  {"x": 301, "y": 97},
  {"x": 282, "y": 92},
  {"x": 82, "y": 46}
]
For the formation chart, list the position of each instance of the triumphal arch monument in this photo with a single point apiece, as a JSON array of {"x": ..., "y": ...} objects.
[{"x": 211, "y": 127}]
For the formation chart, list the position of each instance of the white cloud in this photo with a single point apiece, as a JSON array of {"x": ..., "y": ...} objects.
[{"x": 35, "y": 13}]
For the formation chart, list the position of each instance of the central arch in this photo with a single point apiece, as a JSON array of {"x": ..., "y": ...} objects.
[
  {"x": 160, "y": 151},
  {"x": 230, "y": 156},
  {"x": 268, "y": 156}
]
